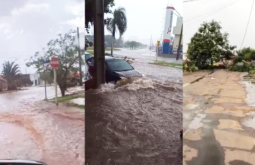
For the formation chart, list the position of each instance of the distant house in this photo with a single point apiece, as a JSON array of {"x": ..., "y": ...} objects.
[
  {"x": 35, "y": 78},
  {"x": 3, "y": 84}
]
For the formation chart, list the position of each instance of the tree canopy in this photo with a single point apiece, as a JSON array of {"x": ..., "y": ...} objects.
[
  {"x": 65, "y": 48},
  {"x": 134, "y": 45},
  {"x": 89, "y": 11},
  {"x": 209, "y": 45},
  {"x": 117, "y": 23},
  {"x": 11, "y": 74}
]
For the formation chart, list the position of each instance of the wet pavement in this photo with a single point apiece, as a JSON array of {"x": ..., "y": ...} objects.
[
  {"x": 143, "y": 55},
  {"x": 137, "y": 121},
  {"x": 218, "y": 119},
  {"x": 35, "y": 130}
]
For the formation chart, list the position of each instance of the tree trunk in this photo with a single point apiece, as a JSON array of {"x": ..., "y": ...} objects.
[
  {"x": 63, "y": 90},
  {"x": 112, "y": 46}
]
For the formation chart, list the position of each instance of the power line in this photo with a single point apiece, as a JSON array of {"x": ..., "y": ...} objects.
[
  {"x": 190, "y": 1},
  {"x": 192, "y": 4},
  {"x": 247, "y": 23},
  {"x": 197, "y": 16},
  {"x": 218, "y": 10}
]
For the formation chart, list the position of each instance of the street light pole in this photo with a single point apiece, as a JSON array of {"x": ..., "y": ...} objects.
[
  {"x": 99, "y": 46},
  {"x": 179, "y": 46}
]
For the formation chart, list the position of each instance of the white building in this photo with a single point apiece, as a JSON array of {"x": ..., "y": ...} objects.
[
  {"x": 177, "y": 33},
  {"x": 35, "y": 78}
]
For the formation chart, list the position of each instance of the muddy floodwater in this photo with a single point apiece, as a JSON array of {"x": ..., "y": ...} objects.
[
  {"x": 32, "y": 129},
  {"x": 136, "y": 121}
]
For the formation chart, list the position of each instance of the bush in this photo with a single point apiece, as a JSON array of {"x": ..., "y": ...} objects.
[
  {"x": 208, "y": 46},
  {"x": 247, "y": 57},
  {"x": 242, "y": 67}
]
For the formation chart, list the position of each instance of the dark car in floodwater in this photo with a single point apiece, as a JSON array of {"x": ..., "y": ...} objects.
[{"x": 115, "y": 69}]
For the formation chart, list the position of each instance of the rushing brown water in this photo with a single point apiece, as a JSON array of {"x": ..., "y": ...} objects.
[
  {"x": 35, "y": 130},
  {"x": 135, "y": 122}
]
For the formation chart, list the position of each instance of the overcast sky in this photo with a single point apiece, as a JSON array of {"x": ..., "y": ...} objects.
[
  {"x": 27, "y": 25},
  {"x": 145, "y": 18},
  {"x": 233, "y": 15}
]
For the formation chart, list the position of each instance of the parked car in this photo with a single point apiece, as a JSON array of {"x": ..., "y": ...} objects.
[{"x": 115, "y": 69}]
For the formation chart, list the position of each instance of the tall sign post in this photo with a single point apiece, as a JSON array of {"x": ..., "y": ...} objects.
[
  {"x": 54, "y": 63},
  {"x": 45, "y": 63},
  {"x": 157, "y": 51}
]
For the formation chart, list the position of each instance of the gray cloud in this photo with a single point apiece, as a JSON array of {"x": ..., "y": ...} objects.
[
  {"x": 8, "y": 5},
  {"x": 28, "y": 27}
]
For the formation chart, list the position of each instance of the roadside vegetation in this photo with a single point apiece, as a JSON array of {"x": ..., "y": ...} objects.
[
  {"x": 163, "y": 63},
  {"x": 66, "y": 100},
  {"x": 65, "y": 48},
  {"x": 209, "y": 48},
  {"x": 13, "y": 77}
]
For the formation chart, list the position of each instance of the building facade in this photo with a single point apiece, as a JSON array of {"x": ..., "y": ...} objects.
[
  {"x": 167, "y": 29},
  {"x": 35, "y": 78},
  {"x": 177, "y": 33}
]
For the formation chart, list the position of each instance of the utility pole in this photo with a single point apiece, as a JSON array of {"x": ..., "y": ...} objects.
[
  {"x": 44, "y": 71},
  {"x": 79, "y": 52},
  {"x": 179, "y": 46},
  {"x": 99, "y": 46},
  {"x": 150, "y": 44},
  {"x": 45, "y": 91}
]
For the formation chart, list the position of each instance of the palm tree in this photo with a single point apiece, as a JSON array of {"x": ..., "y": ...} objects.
[
  {"x": 11, "y": 74},
  {"x": 118, "y": 22}
]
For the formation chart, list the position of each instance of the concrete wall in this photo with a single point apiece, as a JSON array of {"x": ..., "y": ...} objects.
[
  {"x": 35, "y": 78},
  {"x": 177, "y": 33}
]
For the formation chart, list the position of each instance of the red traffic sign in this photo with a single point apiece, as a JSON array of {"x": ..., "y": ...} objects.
[{"x": 54, "y": 62}]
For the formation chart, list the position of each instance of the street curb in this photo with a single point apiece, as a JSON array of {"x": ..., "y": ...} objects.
[{"x": 187, "y": 84}]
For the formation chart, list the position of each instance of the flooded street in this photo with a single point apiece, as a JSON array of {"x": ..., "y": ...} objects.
[
  {"x": 142, "y": 55},
  {"x": 35, "y": 130},
  {"x": 138, "y": 121},
  {"x": 218, "y": 118}
]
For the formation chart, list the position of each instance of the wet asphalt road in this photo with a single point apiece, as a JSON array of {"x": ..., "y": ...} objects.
[
  {"x": 54, "y": 135},
  {"x": 138, "y": 122}
]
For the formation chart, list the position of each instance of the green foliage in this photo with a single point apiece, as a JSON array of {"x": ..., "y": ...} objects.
[
  {"x": 189, "y": 68},
  {"x": 208, "y": 46},
  {"x": 64, "y": 47},
  {"x": 47, "y": 76},
  {"x": 89, "y": 10},
  {"x": 118, "y": 22},
  {"x": 246, "y": 54},
  {"x": 134, "y": 45},
  {"x": 11, "y": 74},
  {"x": 108, "y": 41},
  {"x": 252, "y": 71},
  {"x": 243, "y": 67}
]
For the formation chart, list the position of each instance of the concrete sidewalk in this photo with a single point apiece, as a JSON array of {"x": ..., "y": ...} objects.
[{"x": 217, "y": 121}]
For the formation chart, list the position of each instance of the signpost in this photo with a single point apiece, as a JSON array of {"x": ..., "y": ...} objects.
[
  {"x": 54, "y": 64},
  {"x": 157, "y": 51},
  {"x": 44, "y": 67}
]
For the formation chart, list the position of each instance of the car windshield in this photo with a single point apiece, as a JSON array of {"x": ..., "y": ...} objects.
[{"x": 119, "y": 65}]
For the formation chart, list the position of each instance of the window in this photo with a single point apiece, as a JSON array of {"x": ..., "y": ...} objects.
[
  {"x": 119, "y": 65},
  {"x": 90, "y": 62}
]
